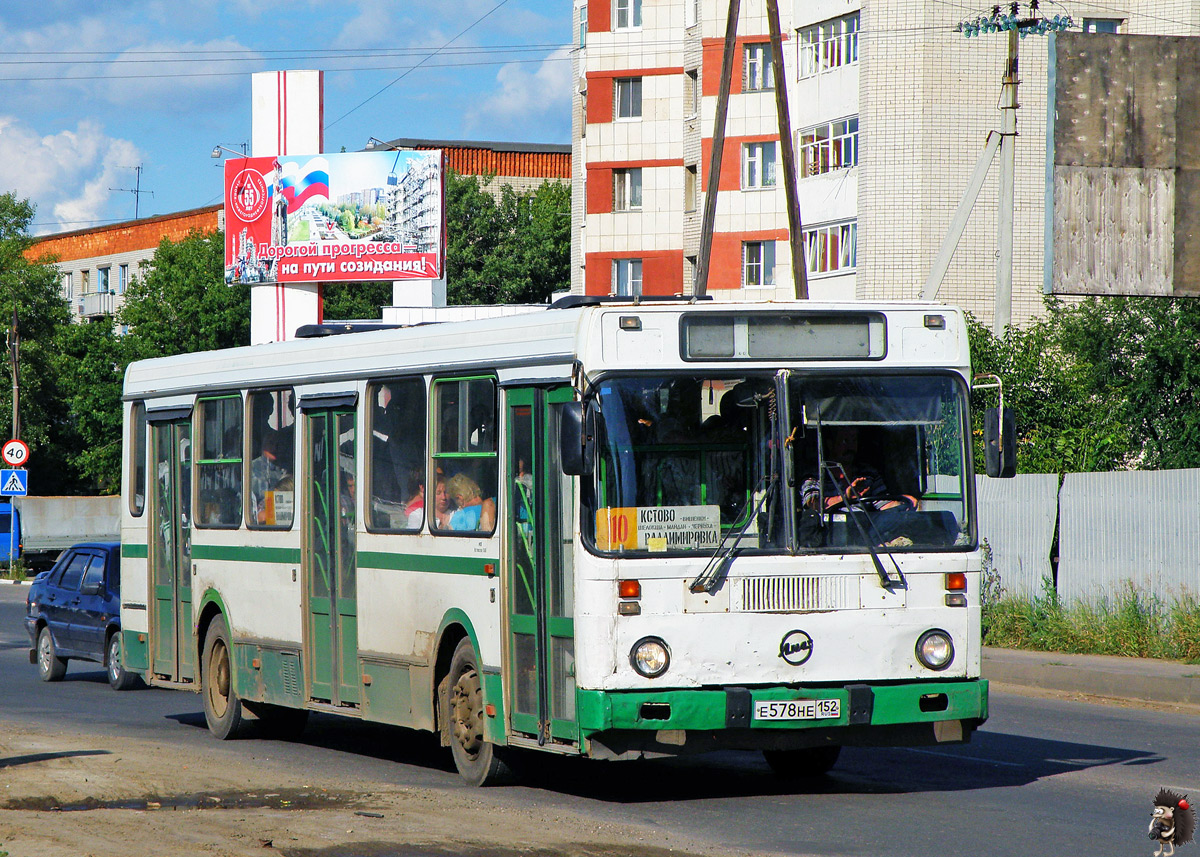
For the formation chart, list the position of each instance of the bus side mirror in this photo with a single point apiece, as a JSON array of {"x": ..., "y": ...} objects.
[
  {"x": 1000, "y": 443},
  {"x": 576, "y": 439}
]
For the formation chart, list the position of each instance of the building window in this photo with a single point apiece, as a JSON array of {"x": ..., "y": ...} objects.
[
  {"x": 102, "y": 284},
  {"x": 583, "y": 21},
  {"x": 627, "y": 189},
  {"x": 691, "y": 13},
  {"x": 628, "y": 14},
  {"x": 122, "y": 279},
  {"x": 1102, "y": 25},
  {"x": 68, "y": 284},
  {"x": 758, "y": 264},
  {"x": 691, "y": 188},
  {"x": 828, "y": 45},
  {"x": 691, "y": 93},
  {"x": 831, "y": 249},
  {"x": 757, "y": 74},
  {"x": 758, "y": 165},
  {"x": 828, "y": 147},
  {"x": 85, "y": 280},
  {"x": 629, "y": 97},
  {"x": 627, "y": 277}
]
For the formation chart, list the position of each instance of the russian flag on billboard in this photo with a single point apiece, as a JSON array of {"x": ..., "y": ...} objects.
[{"x": 298, "y": 189}]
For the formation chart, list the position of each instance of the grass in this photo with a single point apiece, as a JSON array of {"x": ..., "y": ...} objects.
[
  {"x": 14, "y": 571},
  {"x": 1130, "y": 623}
]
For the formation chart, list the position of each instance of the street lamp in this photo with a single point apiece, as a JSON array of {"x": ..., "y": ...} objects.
[
  {"x": 216, "y": 152},
  {"x": 375, "y": 143}
]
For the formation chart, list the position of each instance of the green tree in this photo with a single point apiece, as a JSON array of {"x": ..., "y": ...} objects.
[
  {"x": 91, "y": 371},
  {"x": 179, "y": 301},
  {"x": 345, "y": 301},
  {"x": 31, "y": 290},
  {"x": 515, "y": 249},
  {"x": 1064, "y": 423}
]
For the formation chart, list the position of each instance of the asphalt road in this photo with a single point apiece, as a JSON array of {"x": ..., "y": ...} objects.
[{"x": 1043, "y": 776}]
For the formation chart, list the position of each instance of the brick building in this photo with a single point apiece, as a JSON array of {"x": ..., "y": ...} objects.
[
  {"x": 96, "y": 264},
  {"x": 890, "y": 108}
]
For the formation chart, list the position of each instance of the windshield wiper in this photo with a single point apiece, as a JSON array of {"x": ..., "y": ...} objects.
[
  {"x": 718, "y": 564},
  {"x": 885, "y": 577}
]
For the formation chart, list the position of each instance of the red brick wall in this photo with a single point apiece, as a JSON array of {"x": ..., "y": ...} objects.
[
  {"x": 599, "y": 191},
  {"x": 599, "y": 16},
  {"x": 662, "y": 272},
  {"x": 143, "y": 234},
  {"x": 725, "y": 261}
]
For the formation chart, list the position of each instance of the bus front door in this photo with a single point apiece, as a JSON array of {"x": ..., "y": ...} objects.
[
  {"x": 539, "y": 582},
  {"x": 330, "y": 567},
  {"x": 170, "y": 546}
]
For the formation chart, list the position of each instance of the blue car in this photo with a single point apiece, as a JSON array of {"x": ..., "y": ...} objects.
[{"x": 73, "y": 611}]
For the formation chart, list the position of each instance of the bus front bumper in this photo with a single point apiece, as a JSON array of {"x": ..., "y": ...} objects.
[{"x": 631, "y": 724}]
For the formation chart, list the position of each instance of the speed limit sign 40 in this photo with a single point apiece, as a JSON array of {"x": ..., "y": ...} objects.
[{"x": 15, "y": 453}]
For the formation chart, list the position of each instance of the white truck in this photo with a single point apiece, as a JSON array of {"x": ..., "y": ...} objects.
[{"x": 45, "y": 526}]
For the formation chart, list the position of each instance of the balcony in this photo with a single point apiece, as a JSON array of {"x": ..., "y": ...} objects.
[{"x": 96, "y": 304}]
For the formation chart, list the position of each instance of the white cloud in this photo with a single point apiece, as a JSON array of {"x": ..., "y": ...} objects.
[
  {"x": 67, "y": 175},
  {"x": 540, "y": 97}
]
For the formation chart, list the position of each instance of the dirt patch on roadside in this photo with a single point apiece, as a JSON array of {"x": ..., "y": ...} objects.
[{"x": 75, "y": 795}]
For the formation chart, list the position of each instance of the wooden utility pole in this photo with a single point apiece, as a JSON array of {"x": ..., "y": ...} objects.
[
  {"x": 714, "y": 162},
  {"x": 788, "y": 153}
]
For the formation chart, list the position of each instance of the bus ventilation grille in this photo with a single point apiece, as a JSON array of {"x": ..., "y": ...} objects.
[
  {"x": 799, "y": 593},
  {"x": 290, "y": 670}
]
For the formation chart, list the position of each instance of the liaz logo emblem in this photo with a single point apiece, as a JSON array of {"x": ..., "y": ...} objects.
[{"x": 796, "y": 647}]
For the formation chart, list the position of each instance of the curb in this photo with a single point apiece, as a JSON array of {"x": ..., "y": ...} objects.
[
  {"x": 1141, "y": 679},
  {"x": 16, "y": 582}
]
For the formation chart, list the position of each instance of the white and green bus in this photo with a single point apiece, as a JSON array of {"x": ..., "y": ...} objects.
[{"x": 609, "y": 528}]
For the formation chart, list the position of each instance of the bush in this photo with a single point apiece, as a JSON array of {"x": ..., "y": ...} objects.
[{"x": 1130, "y": 623}]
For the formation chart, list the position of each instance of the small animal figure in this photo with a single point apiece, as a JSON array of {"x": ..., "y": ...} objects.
[{"x": 1173, "y": 822}]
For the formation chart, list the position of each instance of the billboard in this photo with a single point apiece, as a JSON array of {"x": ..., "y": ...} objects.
[
  {"x": 1123, "y": 166},
  {"x": 321, "y": 218}
]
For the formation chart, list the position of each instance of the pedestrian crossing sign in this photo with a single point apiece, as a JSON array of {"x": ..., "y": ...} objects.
[{"x": 14, "y": 483}]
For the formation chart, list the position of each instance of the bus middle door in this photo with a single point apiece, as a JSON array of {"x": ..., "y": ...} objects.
[
  {"x": 170, "y": 546},
  {"x": 330, "y": 561},
  {"x": 539, "y": 576}
]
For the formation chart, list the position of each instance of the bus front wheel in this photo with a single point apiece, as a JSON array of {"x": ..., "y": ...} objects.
[
  {"x": 474, "y": 757},
  {"x": 222, "y": 707},
  {"x": 803, "y": 764}
]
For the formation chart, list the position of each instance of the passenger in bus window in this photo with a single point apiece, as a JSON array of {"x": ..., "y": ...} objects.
[
  {"x": 265, "y": 474},
  {"x": 473, "y": 512},
  {"x": 414, "y": 508},
  {"x": 442, "y": 511}
]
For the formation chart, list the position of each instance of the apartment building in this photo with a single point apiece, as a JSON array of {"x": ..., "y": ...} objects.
[{"x": 890, "y": 110}]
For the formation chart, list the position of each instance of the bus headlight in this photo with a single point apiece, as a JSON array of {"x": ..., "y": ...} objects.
[
  {"x": 935, "y": 649},
  {"x": 650, "y": 657}
]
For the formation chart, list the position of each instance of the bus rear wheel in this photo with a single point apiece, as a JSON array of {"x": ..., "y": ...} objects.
[
  {"x": 222, "y": 707},
  {"x": 803, "y": 764},
  {"x": 474, "y": 756}
]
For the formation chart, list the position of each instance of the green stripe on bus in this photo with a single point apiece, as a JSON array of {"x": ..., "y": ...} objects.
[
  {"x": 129, "y": 551},
  {"x": 366, "y": 559},
  {"x": 426, "y": 562},
  {"x": 245, "y": 553}
]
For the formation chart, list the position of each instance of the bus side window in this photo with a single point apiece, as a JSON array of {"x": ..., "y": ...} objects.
[
  {"x": 272, "y": 491},
  {"x": 137, "y": 455},
  {"x": 465, "y": 457},
  {"x": 219, "y": 465},
  {"x": 396, "y": 465}
]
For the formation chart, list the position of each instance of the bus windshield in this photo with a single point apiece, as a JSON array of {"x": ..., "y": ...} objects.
[{"x": 684, "y": 462}]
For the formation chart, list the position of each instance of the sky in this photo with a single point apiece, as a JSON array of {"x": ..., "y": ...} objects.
[{"x": 91, "y": 91}]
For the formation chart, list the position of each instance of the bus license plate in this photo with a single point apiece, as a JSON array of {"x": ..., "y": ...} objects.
[{"x": 798, "y": 709}]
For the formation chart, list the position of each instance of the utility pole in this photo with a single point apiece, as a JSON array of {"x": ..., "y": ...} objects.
[
  {"x": 14, "y": 350},
  {"x": 136, "y": 190},
  {"x": 1004, "y": 216},
  {"x": 714, "y": 164},
  {"x": 1004, "y": 143},
  {"x": 795, "y": 228}
]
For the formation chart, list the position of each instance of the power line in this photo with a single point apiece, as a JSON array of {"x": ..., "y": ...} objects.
[{"x": 422, "y": 62}]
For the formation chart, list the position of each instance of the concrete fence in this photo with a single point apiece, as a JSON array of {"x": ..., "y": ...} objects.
[{"x": 1114, "y": 529}]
